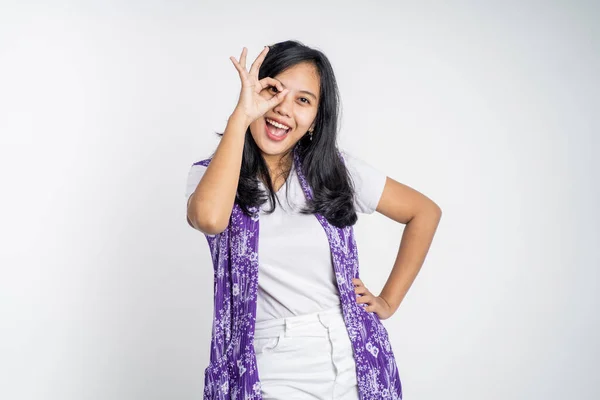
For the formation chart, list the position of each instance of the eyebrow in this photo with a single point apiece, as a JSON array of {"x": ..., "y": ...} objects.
[{"x": 302, "y": 91}]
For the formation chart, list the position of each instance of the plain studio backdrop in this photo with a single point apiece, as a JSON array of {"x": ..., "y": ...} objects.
[{"x": 489, "y": 108}]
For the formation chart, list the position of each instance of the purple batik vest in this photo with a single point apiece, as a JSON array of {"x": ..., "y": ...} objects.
[{"x": 232, "y": 372}]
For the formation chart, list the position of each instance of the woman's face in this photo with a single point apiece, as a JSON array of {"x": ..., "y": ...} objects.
[{"x": 297, "y": 112}]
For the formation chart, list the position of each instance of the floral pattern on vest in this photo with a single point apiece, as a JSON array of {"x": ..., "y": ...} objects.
[{"x": 232, "y": 372}]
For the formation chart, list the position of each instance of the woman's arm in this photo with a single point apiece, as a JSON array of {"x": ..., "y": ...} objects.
[
  {"x": 421, "y": 216},
  {"x": 210, "y": 206}
]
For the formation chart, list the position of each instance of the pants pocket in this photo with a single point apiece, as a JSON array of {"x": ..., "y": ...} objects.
[{"x": 262, "y": 345}]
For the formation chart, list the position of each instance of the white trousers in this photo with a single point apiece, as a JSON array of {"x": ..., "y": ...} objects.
[{"x": 306, "y": 357}]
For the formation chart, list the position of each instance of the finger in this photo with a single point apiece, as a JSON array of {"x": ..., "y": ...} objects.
[
  {"x": 255, "y": 67},
  {"x": 237, "y": 66},
  {"x": 278, "y": 98},
  {"x": 357, "y": 282},
  {"x": 361, "y": 290},
  {"x": 266, "y": 82},
  {"x": 243, "y": 58},
  {"x": 366, "y": 298}
]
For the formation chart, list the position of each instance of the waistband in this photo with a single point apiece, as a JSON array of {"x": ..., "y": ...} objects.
[{"x": 313, "y": 324}]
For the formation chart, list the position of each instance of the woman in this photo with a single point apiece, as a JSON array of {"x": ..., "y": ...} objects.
[{"x": 309, "y": 328}]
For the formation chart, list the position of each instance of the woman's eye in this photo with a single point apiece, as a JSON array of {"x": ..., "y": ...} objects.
[
  {"x": 303, "y": 100},
  {"x": 273, "y": 89}
]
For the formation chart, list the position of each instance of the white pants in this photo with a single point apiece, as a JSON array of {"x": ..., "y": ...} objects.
[{"x": 306, "y": 357}]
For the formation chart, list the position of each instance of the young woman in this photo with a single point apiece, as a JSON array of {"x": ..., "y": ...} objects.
[{"x": 308, "y": 328}]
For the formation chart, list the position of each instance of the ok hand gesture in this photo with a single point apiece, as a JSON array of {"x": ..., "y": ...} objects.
[{"x": 251, "y": 103}]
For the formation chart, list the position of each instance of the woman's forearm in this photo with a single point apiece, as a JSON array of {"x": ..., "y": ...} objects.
[
  {"x": 210, "y": 206},
  {"x": 416, "y": 240}
]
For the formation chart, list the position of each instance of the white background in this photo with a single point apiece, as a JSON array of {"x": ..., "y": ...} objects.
[{"x": 489, "y": 108}]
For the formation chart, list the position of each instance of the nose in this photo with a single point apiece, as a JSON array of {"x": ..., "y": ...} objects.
[{"x": 284, "y": 108}]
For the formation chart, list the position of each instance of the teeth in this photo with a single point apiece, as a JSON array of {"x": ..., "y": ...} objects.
[{"x": 277, "y": 124}]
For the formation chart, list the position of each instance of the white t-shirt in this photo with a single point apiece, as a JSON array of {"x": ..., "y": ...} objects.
[{"x": 296, "y": 274}]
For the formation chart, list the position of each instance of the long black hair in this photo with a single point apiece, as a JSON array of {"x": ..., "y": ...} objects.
[{"x": 333, "y": 191}]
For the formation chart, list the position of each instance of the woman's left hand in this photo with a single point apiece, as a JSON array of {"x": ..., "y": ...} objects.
[{"x": 374, "y": 303}]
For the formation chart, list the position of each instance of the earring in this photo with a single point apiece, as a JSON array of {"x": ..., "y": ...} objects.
[{"x": 310, "y": 133}]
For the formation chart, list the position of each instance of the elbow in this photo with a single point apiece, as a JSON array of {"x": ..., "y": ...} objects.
[
  {"x": 207, "y": 226},
  {"x": 437, "y": 210},
  {"x": 437, "y": 213},
  {"x": 431, "y": 211},
  {"x": 205, "y": 222}
]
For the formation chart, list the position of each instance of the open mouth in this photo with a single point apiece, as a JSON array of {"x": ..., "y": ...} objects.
[{"x": 276, "y": 130}]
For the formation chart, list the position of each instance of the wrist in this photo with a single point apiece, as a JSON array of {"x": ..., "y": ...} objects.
[
  {"x": 389, "y": 304},
  {"x": 239, "y": 118}
]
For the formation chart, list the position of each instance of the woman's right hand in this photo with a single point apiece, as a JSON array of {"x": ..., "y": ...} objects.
[{"x": 251, "y": 103}]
